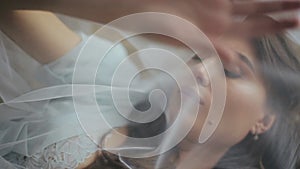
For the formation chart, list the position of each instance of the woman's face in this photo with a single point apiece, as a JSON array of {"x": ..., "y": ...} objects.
[{"x": 245, "y": 99}]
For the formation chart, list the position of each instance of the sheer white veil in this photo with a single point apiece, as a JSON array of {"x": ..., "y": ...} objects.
[
  {"x": 39, "y": 109},
  {"x": 31, "y": 116}
]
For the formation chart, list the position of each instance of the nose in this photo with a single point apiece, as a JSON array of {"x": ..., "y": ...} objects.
[
  {"x": 228, "y": 56},
  {"x": 201, "y": 74}
]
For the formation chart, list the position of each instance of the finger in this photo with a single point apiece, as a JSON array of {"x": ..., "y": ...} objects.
[
  {"x": 216, "y": 23},
  {"x": 248, "y": 8},
  {"x": 261, "y": 25},
  {"x": 213, "y": 4}
]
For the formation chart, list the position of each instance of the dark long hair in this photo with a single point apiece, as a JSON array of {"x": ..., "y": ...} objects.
[{"x": 278, "y": 148}]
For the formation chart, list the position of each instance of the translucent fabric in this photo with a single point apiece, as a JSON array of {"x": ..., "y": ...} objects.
[
  {"x": 59, "y": 114},
  {"x": 38, "y": 111}
]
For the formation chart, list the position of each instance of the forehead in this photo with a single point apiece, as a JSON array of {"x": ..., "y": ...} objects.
[{"x": 240, "y": 45}]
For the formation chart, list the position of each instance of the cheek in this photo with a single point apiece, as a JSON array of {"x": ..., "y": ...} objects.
[{"x": 244, "y": 107}]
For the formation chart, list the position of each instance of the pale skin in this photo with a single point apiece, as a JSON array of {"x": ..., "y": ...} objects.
[
  {"x": 199, "y": 12},
  {"x": 202, "y": 13},
  {"x": 41, "y": 34},
  {"x": 48, "y": 43},
  {"x": 242, "y": 115}
]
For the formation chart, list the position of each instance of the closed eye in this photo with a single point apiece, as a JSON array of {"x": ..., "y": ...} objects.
[{"x": 232, "y": 74}]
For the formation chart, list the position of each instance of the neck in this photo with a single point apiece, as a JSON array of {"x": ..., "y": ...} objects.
[{"x": 199, "y": 156}]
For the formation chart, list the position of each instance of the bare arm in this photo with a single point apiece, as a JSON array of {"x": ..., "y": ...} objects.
[
  {"x": 213, "y": 17},
  {"x": 57, "y": 39},
  {"x": 96, "y": 10},
  {"x": 41, "y": 34}
]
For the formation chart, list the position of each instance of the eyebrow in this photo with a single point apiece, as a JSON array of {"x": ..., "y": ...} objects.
[{"x": 246, "y": 60}]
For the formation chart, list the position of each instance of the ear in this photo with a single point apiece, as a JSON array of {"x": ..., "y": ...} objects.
[{"x": 264, "y": 124}]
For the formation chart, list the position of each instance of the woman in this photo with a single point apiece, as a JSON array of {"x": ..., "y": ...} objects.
[
  {"x": 259, "y": 122},
  {"x": 270, "y": 141}
]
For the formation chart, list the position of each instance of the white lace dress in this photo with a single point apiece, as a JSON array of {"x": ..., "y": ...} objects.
[{"x": 68, "y": 153}]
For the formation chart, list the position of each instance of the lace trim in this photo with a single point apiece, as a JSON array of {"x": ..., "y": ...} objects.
[{"x": 65, "y": 154}]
